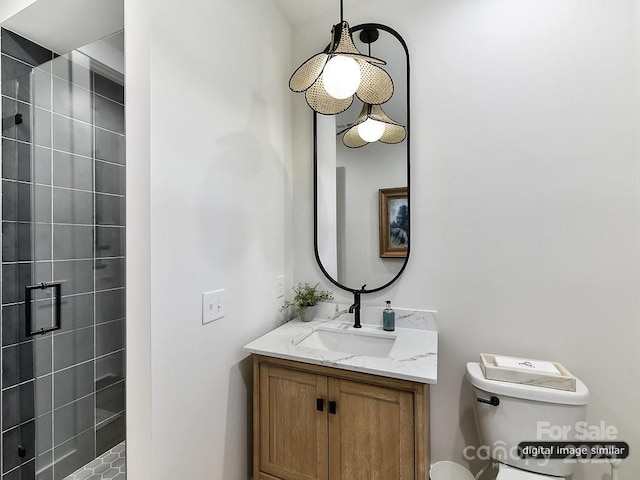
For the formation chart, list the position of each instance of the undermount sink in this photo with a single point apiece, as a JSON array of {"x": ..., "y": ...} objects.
[{"x": 369, "y": 344}]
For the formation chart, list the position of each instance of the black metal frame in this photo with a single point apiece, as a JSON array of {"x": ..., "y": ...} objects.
[
  {"x": 57, "y": 286},
  {"x": 363, "y": 289}
]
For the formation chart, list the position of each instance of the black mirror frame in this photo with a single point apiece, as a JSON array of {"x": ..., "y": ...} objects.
[{"x": 363, "y": 289}]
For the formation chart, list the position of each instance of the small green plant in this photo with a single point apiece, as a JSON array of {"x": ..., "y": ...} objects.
[{"x": 305, "y": 296}]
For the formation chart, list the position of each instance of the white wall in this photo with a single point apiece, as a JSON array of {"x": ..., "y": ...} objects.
[
  {"x": 525, "y": 180},
  {"x": 214, "y": 176},
  {"x": 326, "y": 186},
  {"x": 139, "y": 300}
]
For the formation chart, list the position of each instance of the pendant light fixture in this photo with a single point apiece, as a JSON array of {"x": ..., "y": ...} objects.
[
  {"x": 330, "y": 79},
  {"x": 373, "y": 125}
]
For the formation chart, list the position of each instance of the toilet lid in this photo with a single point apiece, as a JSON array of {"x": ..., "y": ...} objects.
[
  {"x": 527, "y": 392},
  {"x": 507, "y": 473}
]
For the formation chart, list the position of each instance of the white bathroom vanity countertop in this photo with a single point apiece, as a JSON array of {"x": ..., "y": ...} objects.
[{"x": 414, "y": 355}]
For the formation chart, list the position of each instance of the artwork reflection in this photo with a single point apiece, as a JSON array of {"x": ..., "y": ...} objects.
[{"x": 394, "y": 222}]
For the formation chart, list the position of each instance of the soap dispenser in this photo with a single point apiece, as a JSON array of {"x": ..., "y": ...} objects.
[{"x": 388, "y": 318}]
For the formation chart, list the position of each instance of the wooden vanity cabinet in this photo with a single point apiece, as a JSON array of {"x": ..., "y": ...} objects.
[{"x": 319, "y": 423}]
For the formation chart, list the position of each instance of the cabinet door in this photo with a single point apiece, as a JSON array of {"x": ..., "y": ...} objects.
[
  {"x": 372, "y": 433},
  {"x": 293, "y": 432}
]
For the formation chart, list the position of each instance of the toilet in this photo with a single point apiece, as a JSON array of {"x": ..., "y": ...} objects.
[{"x": 510, "y": 413}]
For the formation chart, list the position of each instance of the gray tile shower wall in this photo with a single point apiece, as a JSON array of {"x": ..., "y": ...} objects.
[{"x": 63, "y": 219}]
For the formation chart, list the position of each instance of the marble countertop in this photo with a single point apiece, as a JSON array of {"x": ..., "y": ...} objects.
[{"x": 414, "y": 355}]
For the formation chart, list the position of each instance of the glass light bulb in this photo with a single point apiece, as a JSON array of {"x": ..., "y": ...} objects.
[
  {"x": 341, "y": 77},
  {"x": 371, "y": 130}
]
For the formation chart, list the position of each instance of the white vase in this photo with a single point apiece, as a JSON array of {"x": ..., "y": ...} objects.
[{"x": 309, "y": 313}]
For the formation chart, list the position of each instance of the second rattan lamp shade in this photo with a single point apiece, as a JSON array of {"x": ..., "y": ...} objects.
[{"x": 393, "y": 131}]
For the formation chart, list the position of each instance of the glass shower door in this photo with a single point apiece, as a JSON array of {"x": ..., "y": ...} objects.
[{"x": 69, "y": 292}]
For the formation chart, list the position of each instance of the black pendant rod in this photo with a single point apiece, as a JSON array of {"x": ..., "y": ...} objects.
[{"x": 341, "y": 11}]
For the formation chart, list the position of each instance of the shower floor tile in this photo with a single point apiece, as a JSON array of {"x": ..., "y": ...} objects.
[{"x": 111, "y": 465}]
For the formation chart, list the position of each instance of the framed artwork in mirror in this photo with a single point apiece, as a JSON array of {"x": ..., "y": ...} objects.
[{"x": 394, "y": 222}]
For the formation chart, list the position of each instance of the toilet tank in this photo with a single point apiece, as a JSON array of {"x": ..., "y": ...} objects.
[{"x": 526, "y": 413}]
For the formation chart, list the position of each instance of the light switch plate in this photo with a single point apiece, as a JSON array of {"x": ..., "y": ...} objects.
[
  {"x": 280, "y": 286},
  {"x": 212, "y": 306}
]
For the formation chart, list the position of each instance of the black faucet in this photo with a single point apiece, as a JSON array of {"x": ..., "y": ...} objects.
[{"x": 355, "y": 308}]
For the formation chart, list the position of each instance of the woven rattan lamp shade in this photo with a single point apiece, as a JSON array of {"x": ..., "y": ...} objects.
[
  {"x": 376, "y": 86},
  {"x": 393, "y": 131}
]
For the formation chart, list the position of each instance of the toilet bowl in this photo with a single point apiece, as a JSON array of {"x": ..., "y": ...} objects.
[{"x": 510, "y": 413}]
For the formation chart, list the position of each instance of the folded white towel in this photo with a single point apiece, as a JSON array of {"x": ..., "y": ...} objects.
[{"x": 538, "y": 366}]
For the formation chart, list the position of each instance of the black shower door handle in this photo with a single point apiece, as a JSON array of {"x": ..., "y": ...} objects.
[{"x": 57, "y": 308}]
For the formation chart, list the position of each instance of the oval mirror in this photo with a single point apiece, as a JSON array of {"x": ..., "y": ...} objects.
[{"x": 361, "y": 195}]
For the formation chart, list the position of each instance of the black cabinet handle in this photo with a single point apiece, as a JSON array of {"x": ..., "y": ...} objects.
[
  {"x": 320, "y": 404},
  {"x": 495, "y": 401},
  {"x": 21, "y": 451},
  {"x": 332, "y": 407}
]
